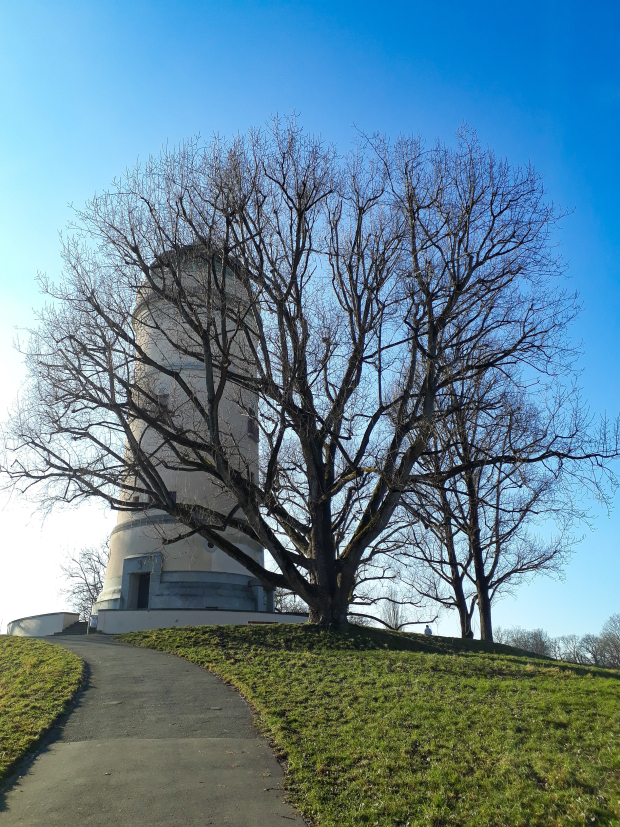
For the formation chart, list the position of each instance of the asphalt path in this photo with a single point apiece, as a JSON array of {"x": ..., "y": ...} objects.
[{"x": 152, "y": 740}]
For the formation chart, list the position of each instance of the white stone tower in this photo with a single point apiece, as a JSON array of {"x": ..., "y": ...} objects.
[{"x": 144, "y": 572}]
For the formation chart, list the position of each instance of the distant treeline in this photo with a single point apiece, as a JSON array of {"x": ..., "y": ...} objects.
[{"x": 593, "y": 650}]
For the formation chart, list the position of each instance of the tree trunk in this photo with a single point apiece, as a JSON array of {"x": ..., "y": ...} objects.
[
  {"x": 464, "y": 618},
  {"x": 455, "y": 575},
  {"x": 461, "y": 602},
  {"x": 484, "y": 612},
  {"x": 333, "y": 589},
  {"x": 331, "y": 611},
  {"x": 482, "y": 584}
]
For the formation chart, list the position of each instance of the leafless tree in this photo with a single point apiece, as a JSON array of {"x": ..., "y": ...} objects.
[
  {"x": 589, "y": 650},
  {"x": 568, "y": 648},
  {"x": 340, "y": 298},
  {"x": 610, "y": 640},
  {"x": 534, "y": 640},
  {"x": 285, "y": 601},
  {"x": 84, "y": 571},
  {"x": 392, "y": 611},
  {"x": 471, "y": 538}
]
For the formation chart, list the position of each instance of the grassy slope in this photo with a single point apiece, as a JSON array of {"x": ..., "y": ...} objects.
[
  {"x": 392, "y": 729},
  {"x": 37, "y": 680}
]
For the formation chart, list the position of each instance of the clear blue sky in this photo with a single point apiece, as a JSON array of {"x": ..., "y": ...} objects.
[{"x": 86, "y": 88}]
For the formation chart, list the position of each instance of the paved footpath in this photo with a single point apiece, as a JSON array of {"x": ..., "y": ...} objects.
[{"x": 153, "y": 740}]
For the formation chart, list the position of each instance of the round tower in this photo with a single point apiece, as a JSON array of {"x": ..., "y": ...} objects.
[{"x": 145, "y": 570}]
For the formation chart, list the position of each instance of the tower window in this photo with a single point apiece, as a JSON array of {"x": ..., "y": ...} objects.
[
  {"x": 253, "y": 425},
  {"x": 162, "y": 409}
]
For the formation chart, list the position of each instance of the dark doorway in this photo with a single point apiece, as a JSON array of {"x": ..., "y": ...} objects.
[{"x": 144, "y": 583}]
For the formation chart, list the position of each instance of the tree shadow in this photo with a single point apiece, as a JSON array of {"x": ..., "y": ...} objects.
[{"x": 311, "y": 638}]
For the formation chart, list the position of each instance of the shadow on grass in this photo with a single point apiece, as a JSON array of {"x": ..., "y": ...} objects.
[{"x": 306, "y": 637}]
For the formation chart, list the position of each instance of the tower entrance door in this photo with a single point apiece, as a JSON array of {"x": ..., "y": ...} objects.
[{"x": 144, "y": 583}]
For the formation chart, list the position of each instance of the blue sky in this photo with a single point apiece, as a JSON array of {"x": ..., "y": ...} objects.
[{"x": 86, "y": 88}]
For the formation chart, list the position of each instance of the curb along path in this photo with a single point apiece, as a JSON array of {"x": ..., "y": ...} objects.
[{"x": 153, "y": 740}]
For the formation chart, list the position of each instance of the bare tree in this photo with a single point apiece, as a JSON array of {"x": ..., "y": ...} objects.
[
  {"x": 439, "y": 558},
  {"x": 340, "y": 298},
  {"x": 471, "y": 539},
  {"x": 84, "y": 571},
  {"x": 392, "y": 611},
  {"x": 589, "y": 650},
  {"x": 610, "y": 640},
  {"x": 568, "y": 648},
  {"x": 535, "y": 640},
  {"x": 285, "y": 601}
]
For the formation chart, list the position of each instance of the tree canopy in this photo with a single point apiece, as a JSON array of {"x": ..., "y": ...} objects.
[{"x": 341, "y": 299}]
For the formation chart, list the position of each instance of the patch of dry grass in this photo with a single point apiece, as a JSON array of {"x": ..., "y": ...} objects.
[{"x": 37, "y": 681}]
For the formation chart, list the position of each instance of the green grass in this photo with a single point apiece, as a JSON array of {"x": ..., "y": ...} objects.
[
  {"x": 381, "y": 728},
  {"x": 37, "y": 681}
]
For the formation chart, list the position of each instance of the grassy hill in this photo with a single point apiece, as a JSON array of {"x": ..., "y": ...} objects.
[
  {"x": 383, "y": 728},
  {"x": 37, "y": 681}
]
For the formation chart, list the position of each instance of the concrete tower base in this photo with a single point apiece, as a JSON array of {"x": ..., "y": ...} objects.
[
  {"x": 144, "y": 585},
  {"x": 117, "y": 621}
]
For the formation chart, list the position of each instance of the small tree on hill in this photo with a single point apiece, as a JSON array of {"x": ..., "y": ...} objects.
[
  {"x": 610, "y": 640},
  {"x": 471, "y": 537},
  {"x": 285, "y": 601},
  {"x": 84, "y": 572},
  {"x": 594, "y": 650}
]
